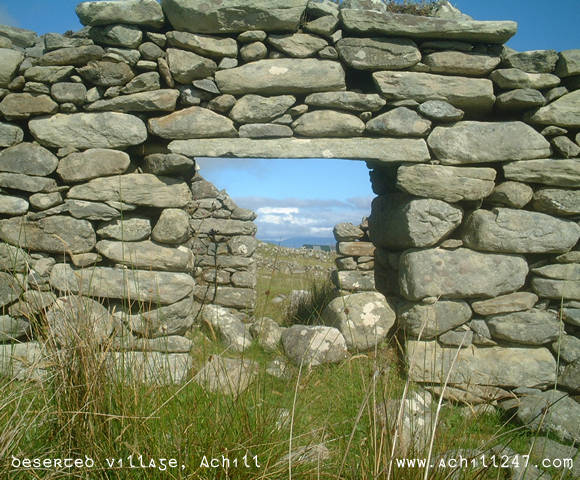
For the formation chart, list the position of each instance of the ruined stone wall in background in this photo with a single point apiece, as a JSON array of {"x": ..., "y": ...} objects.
[{"x": 473, "y": 150}]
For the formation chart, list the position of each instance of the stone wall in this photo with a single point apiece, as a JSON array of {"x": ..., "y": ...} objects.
[{"x": 473, "y": 151}]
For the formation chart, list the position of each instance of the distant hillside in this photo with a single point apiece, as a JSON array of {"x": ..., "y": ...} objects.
[{"x": 297, "y": 242}]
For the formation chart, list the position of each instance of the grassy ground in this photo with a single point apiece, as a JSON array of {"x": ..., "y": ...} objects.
[{"x": 131, "y": 431}]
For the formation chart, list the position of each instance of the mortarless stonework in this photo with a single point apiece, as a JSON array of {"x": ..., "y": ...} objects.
[{"x": 474, "y": 156}]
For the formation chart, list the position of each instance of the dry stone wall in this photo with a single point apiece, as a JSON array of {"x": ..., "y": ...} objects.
[{"x": 473, "y": 150}]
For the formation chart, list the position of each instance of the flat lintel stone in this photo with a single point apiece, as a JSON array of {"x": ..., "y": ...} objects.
[
  {"x": 377, "y": 149},
  {"x": 415, "y": 26}
]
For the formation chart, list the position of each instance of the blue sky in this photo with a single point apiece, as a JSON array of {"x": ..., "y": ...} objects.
[{"x": 307, "y": 197}]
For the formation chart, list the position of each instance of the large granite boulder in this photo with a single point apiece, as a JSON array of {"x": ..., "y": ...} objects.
[
  {"x": 147, "y": 255},
  {"x": 401, "y": 221},
  {"x": 460, "y": 273},
  {"x": 147, "y": 13},
  {"x": 122, "y": 283},
  {"x": 379, "y": 149},
  {"x": 282, "y": 76},
  {"x": 312, "y": 346},
  {"x": 519, "y": 231},
  {"x": 429, "y": 320},
  {"x": 364, "y": 319},
  {"x": 89, "y": 130},
  {"x": 136, "y": 189},
  {"x": 234, "y": 16},
  {"x": 478, "y": 142},
  {"x": 500, "y": 366},
  {"x": 54, "y": 234},
  {"x": 378, "y": 53},
  {"x": 192, "y": 122},
  {"x": 564, "y": 112},
  {"x": 450, "y": 184},
  {"x": 469, "y": 94},
  {"x": 403, "y": 25}
]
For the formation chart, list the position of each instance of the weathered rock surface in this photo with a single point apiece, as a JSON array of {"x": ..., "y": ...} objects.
[
  {"x": 12, "y": 329},
  {"x": 399, "y": 122},
  {"x": 267, "y": 333},
  {"x": 48, "y": 74},
  {"x": 450, "y": 184},
  {"x": 147, "y": 255},
  {"x": 551, "y": 411},
  {"x": 282, "y": 76},
  {"x": 403, "y": 25},
  {"x": 174, "y": 319},
  {"x": 10, "y": 289},
  {"x": 469, "y": 94},
  {"x": 297, "y": 45},
  {"x": 228, "y": 328},
  {"x": 477, "y": 142},
  {"x": 75, "y": 320},
  {"x": 512, "y": 302},
  {"x": 12, "y": 206},
  {"x": 354, "y": 281},
  {"x": 378, "y": 53},
  {"x": 56, "y": 234},
  {"x": 152, "y": 101},
  {"x": 519, "y": 99},
  {"x": 561, "y": 173},
  {"x": 531, "y": 327},
  {"x": 192, "y": 122},
  {"x": 519, "y": 231},
  {"x": 501, "y": 366},
  {"x": 92, "y": 163},
  {"x": 127, "y": 229},
  {"x": 440, "y": 111},
  {"x": 557, "y": 202},
  {"x": 10, "y": 135},
  {"x": 205, "y": 45},
  {"x": 27, "y": 183},
  {"x": 312, "y": 346},
  {"x": 258, "y": 109},
  {"x": 233, "y": 16},
  {"x": 401, "y": 221},
  {"x": 379, "y": 149},
  {"x": 168, "y": 165},
  {"x": 124, "y": 36},
  {"x": 461, "y": 63},
  {"x": 13, "y": 259},
  {"x": 106, "y": 73},
  {"x": 349, "y": 101},
  {"x": 460, "y": 273},
  {"x": 569, "y": 379},
  {"x": 138, "y": 285},
  {"x": 229, "y": 376},
  {"x": 133, "y": 12},
  {"x": 91, "y": 210},
  {"x": 364, "y": 319},
  {"x": 89, "y": 130},
  {"x": 21, "y": 106},
  {"x": 430, "y": 320},
  {"x": 187, "y": 66},
  {"x": 556, "y": 289},
  {"x": 9, "y": 62},
  {"x": 29, "y": 159},
  {"x": 534, "y": 61},
  {"x": 566, "y": 271},
  {"x": 328, "y": 123},
  {"x": 23, "y": 361},
  {"x": 172, "y": 227},
  {"x": 510, "y": 78},
  {"x": 563, "y": 112},
  {"x": 511, "y": 194},
  {"x": 136, "y": 189}
]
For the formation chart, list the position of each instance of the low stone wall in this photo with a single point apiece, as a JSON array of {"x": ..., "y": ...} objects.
[{"x": 473, "y": 150}]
